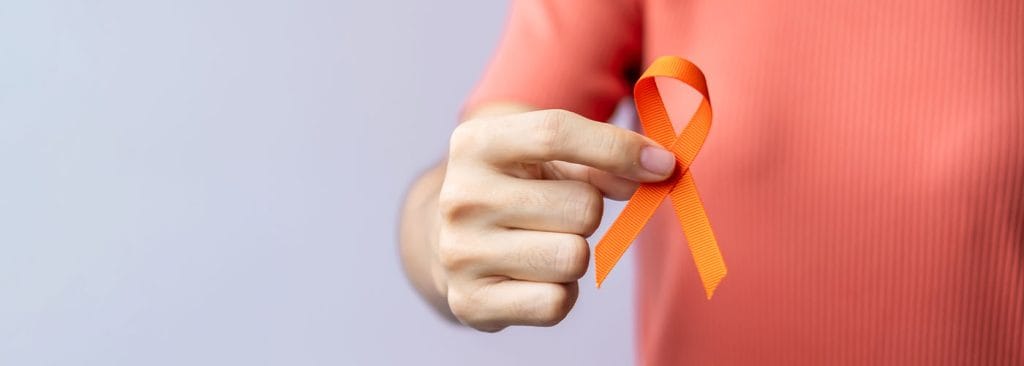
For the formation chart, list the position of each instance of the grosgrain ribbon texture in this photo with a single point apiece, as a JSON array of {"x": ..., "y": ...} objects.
[{"x": 679, "y": 187}]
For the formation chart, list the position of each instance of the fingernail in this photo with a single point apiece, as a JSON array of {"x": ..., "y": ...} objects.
[{"x": 657, "y": 160}]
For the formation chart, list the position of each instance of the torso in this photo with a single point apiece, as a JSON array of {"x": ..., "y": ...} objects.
[{"x": 865, "y": 179}]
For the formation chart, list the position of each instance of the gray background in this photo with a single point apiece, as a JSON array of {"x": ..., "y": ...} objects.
[{"x": 217, "y": 183}]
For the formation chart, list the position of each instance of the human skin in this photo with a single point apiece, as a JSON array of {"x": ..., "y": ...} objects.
[{"x": 495, "y": 235}]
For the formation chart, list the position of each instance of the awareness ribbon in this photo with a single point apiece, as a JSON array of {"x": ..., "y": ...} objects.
[{"x": 680, "y": 186}]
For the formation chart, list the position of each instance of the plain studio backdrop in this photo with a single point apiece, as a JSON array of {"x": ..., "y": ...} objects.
[{"x": 218, "y": 182}]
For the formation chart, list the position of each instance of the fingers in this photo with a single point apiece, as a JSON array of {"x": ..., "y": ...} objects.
[
  {"x": 512, "y": 277},
  {"x": 520, "y": 254},
  {"x": 494, "y": 306},
  {"x": 556, "y": 206},
  {"x": 520, "y": 195},
  {"x": 559, "y": 135},
  {"x": 563, "y": 206}
]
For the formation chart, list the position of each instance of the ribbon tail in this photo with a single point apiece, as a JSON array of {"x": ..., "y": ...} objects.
[
  {"x": 627, "y": 226},
  {"x": 685, "y": 201},
  {"x": 697, "y": 228}
]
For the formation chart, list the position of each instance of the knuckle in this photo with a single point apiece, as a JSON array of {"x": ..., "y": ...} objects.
[
  {"x": 554, "y": 308},
  {"x": 550, "y": 130},
  {"x": 611, "y": 142},
  {"x": 584, "y": 209},
  {"x": 468, "y": 309},
  {"x": 462, "y": 138},
  {"x": 461, "y": 306},
  {"x": 453, "y": 254},
  {"x": 572, "y": 258},
  {"x": 455, "y": 203},
  {"x": 620, "y": 149},
  {"x": 619, "y": 145}
]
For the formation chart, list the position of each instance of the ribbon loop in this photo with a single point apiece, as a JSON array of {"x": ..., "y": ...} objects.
[{"x": 680, "y": 186}]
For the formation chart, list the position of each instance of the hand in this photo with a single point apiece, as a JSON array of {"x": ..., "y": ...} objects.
[{"x": 520, "y": 195}]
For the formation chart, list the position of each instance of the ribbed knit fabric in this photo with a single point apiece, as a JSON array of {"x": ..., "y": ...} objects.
[{"x": 864, "y": 174}]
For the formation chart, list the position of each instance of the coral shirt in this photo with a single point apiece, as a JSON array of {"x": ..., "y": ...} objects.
[{"x": 864, "y": 173}]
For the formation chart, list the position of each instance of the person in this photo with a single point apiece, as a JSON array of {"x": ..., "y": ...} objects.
[{"x": 864, "y": 176}]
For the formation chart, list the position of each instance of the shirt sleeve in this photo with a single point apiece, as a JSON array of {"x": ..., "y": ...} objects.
[{"x": 564, "y": 54}]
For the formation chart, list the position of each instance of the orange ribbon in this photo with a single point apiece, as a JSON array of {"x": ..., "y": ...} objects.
[{"x": 679, "y": 186}]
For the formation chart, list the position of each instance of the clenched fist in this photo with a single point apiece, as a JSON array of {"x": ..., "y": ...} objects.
[{"x": 520, "y": 195}]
